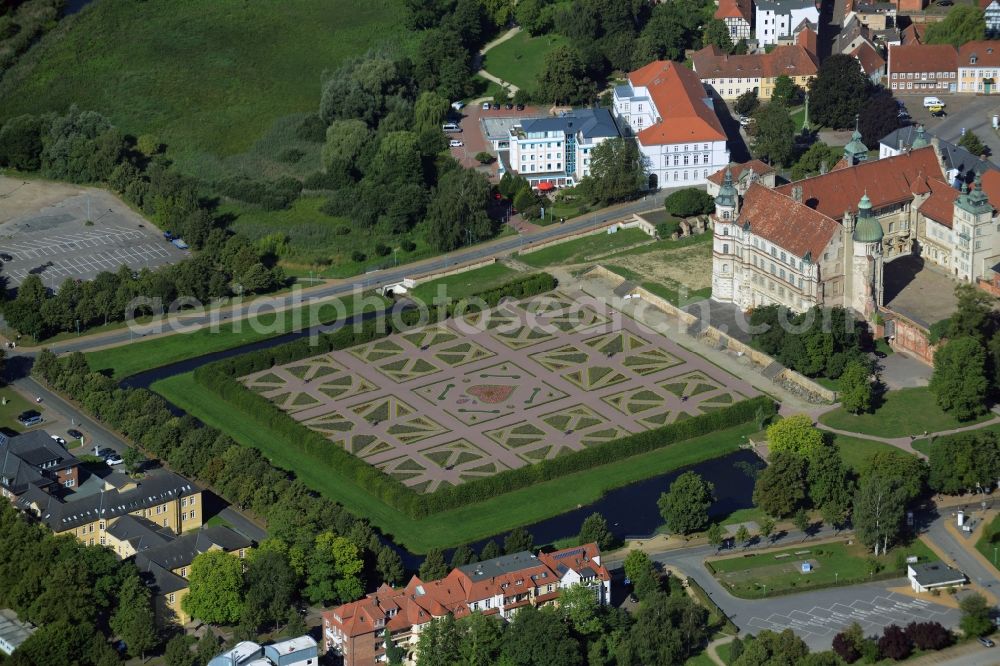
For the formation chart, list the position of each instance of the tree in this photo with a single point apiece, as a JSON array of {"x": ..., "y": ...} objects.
[
  {"x": 461, "y": 556},
  {"x": 563, "y": 79},
  {"x": 743, "y": 535},
  {"x": 894, "y": 643},
  {"x": 963, "y": 24},
  {"x": 595, "y": 530},
  {"x": 389, "y": 565},
  {"x": 773, "y": 134},
  {"x": 856, "y": 389},
  {"x": 518, "y": 540},
  {"x": 897, "y": 469},
  {"x": 781, "y": 487},
  {"x": 767, "y": 527},
  {"x": 878, "y": 117},
  {"x": 617, "y": 171},
  {"x": 667, "y": 630},
  {"x": 639, "y": 569},
  {"x": 672, "y": 28},
  {"x": 975, "y": 615},
  {"x": 973, "y": 144},
  {"x": 439, "y": 642},
  {"x": 481, "y": 637},
  {"x": 636, "y": 563},
  {"x": 433, "y": 566},
  {"x": 490, "y": 550},
  {"x": 769, "y": 647},
  {"x": 785, "y": 91},
  {"x": 207, "y": 648},
  {"x": 817, "y": 157},
  {"x": 717, "y": 34},
  {"x": 394, "y": 653},
  {"x": 21, "y": 143},
  {"x": 964, "y": 461},
  {"x": 688, "y": 202},
  {"x": 929, "y": 635},
  {"x": 215, "y": 588},
  {"x": 878, "y": 513},
  {"x": 535, "y": 16},
  {"x": 456, "y": 213},
  {"x": 270, "y": 586},
  {"x": 685, "y": 506},
  {"x": 831, "y": 486},
  {"x": 178, "y": 651},
  {"x": 429, "y": 111},
  {"x": 133, "y": 620},
  {"x": 334, "y": 570},
  {"x": 959, "y": 381},
  {"x": 796, "y": 435},
  {"x": 579, "y": 604},
  {"x": 837, "y": 92},
  {"x": 849, "y": 642},
  {"x": 747, "y": 103},
  {"x": 801, "y": 520},
  {"x": 974, "y": 315},
  {"x": 133, "y": 459},
  {"x": 714, "y": 535},
  {"x": 539, "y": 637}
]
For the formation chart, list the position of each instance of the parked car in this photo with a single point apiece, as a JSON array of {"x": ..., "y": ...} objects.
[
  {"x": 496, "y": 106},
  {"x": 940, "y": 113},
  {"x": 945, "y": 3},
  {"x": 103, "y": 452},
  {"x": 879, "y": 354},
  {"x": 520, "y": 107},
  {"x": 6, "y": 257},
  {"x": 932, "y": 101},
  {"x": 455, "y": 143},
  {"x": 114, "y": 459},
  {"x": 486, "y": 106},
  {"x": 29, "y": 418},
  {"x": 744, "y": 121},
  {"x": 986, "y": 642},
  {"x": 58, "y": 439},
  {"x": 75, "y": 434},
  {"x": 457, "y": 105},
  {"x": 508, "y": 106},
  {"x": 450, "y": 127}
]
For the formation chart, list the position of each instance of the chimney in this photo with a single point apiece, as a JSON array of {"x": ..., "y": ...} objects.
[
  {"x": 823, "y": 168},
  {"x": 797, "y": 193}
]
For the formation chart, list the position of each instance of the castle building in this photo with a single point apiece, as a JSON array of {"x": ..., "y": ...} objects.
[{"x": 825, "y": 240}]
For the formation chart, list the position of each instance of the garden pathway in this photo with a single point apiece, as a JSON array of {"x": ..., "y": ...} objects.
[
  {"x": 713, "y": 649},
  {"x": 486, "y": 75}
]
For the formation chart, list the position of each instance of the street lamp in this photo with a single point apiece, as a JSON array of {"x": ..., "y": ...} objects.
[{"x": 836, "y": 577}]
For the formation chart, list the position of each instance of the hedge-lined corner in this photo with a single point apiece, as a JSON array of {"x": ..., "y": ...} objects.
[{"x": 221, "y": 378}]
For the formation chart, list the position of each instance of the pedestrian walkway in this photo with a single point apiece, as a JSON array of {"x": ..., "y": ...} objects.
[{"x": 486, "y": 75}]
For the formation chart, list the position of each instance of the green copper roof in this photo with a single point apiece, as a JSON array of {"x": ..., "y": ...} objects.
[
  {"x": 727, "y": 193},
  {"x": 976, "y": 201},
  {"x": 867, "y": 229},
  {"x": 855, "y": 147},
  {"x": 921, "y": 140}
]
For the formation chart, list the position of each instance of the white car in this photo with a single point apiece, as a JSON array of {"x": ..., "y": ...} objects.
[
  {"x": 114, "y": 459},
  {"x": 744, "y": 121},
  {"x": 486, "y": 106},
  {"x": 58, "y": 439},
  {"x": 455, "y": 143}
]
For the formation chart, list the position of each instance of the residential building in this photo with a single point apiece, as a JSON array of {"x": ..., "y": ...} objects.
[
  {"x": 959, "y": 165},
  {"x": 874, "y": 15},
  {"x": 738, "y": 17},
  {"x": 991, "y": 12},
  {"x": 913, "y": 34},
  {"x": 927, "y": 68},
  {"x": 33, "y": 464},
  {"x": 743, "y": 174},
  {"x": 871, "y": 63},
  {"x": 979, "y": 67},
  {"x": 910, "y": 6},
  {"x": 13, "y": 631},
  {"x": 824, "y": 240},
  {"x": 851, "y": 36},
  {"x": 732, "y": 75},
  {"x": 356, "y": 631},
  {"x": 673, "y": 119},
  {"x": 557, "y": 149},
  {"x": 775, "y": 20},
  {"x": 934, "y": 575},
  {"x": 301, "y": 651}
]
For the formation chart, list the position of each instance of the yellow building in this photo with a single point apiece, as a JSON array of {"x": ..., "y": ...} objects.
[{"x": 733, "y": 75}]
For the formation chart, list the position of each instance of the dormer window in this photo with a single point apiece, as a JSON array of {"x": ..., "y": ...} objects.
[{"x": 972, "y": 60}]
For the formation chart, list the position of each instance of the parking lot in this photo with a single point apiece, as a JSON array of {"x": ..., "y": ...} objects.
[
  {"x": 44, "y": 231},
  {"x": 972, "y": 113}
]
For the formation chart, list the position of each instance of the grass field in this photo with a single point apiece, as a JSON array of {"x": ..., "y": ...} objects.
[
  {"x": 456, "y": 526},
  {"x": 857, "y": 453},
  {"x": 521, "y": 58},
  {"x": 833, "y": 563},
  {"x": 207, "y": 77},
  {"x": 989, "y": 541},
  {"x": 467, "y": 283},
  {"x": 578, "y": 251},
  {"x": 15, "y": 405},
  {"x": 313, "y": 241},
  {"x": 905, "y": 412},
  {"x": 138, "y": 357}
]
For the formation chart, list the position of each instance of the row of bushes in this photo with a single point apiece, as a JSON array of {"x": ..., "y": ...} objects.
[
  {"x": 268, "y": 194},
  {"x": 708, "y": 602},
  {"x": 222, "y": 379}
]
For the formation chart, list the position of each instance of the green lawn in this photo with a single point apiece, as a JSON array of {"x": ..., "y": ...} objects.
[
  {"x": 578, "y": 250},
  {"x": 857, "y": 453},
  {"x": 456, "y": 526},
  {"x": 137, "y": 357},
  {"x": 315, "y": 247},
  {"x": 989, "y": 542},
  {"x": 467, "y": 283},
  {"x": 210, "y": 78},
  {"x": 834, "y": 563},
  {"x": 15, "y": 405},
  {"x": 905, "y": 412},
  {"x": 521, "y": 58}
]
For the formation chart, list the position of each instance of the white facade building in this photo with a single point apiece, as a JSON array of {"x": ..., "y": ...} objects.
[
  {"x": 558, "y": 150},
  {"x": 775, "y": 20},
  {"x": 673, "y": 118}
]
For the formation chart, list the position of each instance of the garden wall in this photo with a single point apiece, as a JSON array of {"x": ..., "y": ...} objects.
[{"x": 632, "y": 222}]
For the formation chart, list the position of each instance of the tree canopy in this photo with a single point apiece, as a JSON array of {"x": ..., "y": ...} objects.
[
  {"x": 215, "y": 588},
  {"x": 838, "y": 92},
  {"x": 795, "y": 434},
  {"x": 617, "y": 172},
  {"x": 960, "y": 383},
  {"x": 684, "y": 507},
  {"x": 773, "y": 134},
  {"x": 964, "y": 23}
]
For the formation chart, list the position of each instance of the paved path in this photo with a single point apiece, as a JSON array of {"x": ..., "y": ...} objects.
[
  {"x": 712, "y": 650},
  {"x": 486, "y": 75}
]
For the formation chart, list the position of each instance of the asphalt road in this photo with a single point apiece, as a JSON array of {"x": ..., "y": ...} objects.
[
  {"x": 103, "y": 437},
  {"x": 372, "y": 280}
]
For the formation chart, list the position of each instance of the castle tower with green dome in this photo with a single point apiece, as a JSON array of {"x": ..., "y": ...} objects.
[{"x": 865, "y": 277}]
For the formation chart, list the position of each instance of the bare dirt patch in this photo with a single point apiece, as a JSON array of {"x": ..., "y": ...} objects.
[
  {"x": 690, "y": 266},
  {"x": 19, "y": 196}
]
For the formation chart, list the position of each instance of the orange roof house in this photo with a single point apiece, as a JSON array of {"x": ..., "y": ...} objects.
[{"x": 679, "y": 99}]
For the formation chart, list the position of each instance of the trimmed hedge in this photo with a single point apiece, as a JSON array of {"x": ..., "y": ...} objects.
[
  {"x": 713, "y": 608},
  {"x": 222, "y": 379}
]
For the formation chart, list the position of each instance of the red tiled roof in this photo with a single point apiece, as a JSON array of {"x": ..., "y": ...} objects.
[
  {"x": 887, "y": 181},
  {"x": 734, "y": 9},
  {"x": 987, "y": 54},
  {"x": 940, "y": 205},
  {"x": 923, "y": 58},
  {"x": 794, "y": 60},
  {"x": 679, "y": 98},
  {"x": 807, "y": 39},
  {"x": 913, "y": 34},
  {"x": 869, "y": 58},
  {"x": 991, "y": 186},
  {"x": 758, "y": 167},
  {"x": 782, "y": 220}
]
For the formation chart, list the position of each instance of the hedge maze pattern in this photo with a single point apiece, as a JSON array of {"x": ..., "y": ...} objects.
[{"x": 492, "y": 391}]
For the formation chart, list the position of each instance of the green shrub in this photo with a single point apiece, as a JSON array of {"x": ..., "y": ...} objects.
[
  {"x": 358, "y": 255},
  {"x": 290, "y": 155},
  {"x": 689, "y": 202},
  {"x": 408, "y": 245}
]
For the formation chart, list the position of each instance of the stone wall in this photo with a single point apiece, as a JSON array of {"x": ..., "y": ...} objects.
[{"x": 631, "y": 222}]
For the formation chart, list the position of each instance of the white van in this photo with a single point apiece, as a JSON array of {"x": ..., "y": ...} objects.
[
  {"x": 451, "y": 127},
  {"x": 932, "y": 101}
]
